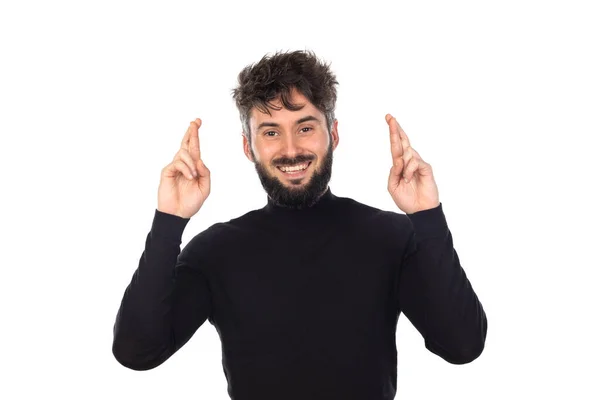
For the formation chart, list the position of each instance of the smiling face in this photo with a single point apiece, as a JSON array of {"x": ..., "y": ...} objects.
[{"x": 292, "y": 152}]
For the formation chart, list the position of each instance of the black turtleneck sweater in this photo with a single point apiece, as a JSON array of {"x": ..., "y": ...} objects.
[{"x": 305, "y": 302}]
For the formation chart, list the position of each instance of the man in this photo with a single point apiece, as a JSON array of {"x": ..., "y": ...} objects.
[{"x": 305, "y": 293}]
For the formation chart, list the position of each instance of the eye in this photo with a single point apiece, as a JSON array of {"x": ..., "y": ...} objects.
[
  {"x": 306, "y": 127},
  {"x": 267, "y": 133}
]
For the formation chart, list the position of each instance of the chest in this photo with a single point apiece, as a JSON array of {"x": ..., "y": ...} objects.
[{"x": 281, "y": 293}]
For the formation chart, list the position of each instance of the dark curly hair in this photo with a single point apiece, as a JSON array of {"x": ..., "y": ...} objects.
[{"x": 277, "y": 75}]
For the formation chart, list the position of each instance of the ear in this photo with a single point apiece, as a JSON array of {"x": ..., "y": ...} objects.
[
  {"x": 334, "y": 134},
  {"x": 246, "y": 145}
]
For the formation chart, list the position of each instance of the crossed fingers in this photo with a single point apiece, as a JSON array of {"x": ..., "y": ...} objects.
[
  {"x": 191, "y": 142},
  {"x": 190, "y": 147},
  {"x": 405, "y": 159}
]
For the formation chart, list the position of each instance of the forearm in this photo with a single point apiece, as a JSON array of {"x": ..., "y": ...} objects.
[
  {"x": 437, "y": 295},
  {"x": 143, "y": 336}
]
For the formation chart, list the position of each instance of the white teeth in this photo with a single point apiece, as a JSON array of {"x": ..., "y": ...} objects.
[{"x": 294, "y": 168}]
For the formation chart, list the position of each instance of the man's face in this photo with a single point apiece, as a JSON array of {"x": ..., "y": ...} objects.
[{"x": 292, "y": 152}]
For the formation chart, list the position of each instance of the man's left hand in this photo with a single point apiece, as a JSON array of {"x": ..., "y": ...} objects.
[{"x": 411, "y": 183}]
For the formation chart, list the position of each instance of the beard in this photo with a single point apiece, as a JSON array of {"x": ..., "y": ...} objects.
[{"x": 297, "y": 195}]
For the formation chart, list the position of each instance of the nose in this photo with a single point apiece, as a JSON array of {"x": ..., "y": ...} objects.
[{"x": 291, "y": 147}]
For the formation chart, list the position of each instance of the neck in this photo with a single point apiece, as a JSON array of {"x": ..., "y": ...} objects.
[{"x": 302, "y": 218}]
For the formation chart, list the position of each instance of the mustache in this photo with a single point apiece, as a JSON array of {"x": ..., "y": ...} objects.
[{"x": 285, "y": 162}]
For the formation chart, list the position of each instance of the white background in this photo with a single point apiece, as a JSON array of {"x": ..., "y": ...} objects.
[{"x": 501, "y": 98}]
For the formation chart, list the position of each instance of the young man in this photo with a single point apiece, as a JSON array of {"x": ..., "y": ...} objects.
[{"x": 305, "y": 293}]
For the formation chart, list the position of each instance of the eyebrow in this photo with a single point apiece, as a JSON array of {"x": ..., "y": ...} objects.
[{"x": 298, "y": 122}]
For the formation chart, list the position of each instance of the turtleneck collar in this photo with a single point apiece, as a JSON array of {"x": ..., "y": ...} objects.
[{"x": 319, "y": 213}]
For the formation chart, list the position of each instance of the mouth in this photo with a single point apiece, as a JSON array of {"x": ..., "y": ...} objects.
[{"x": 295, "y": 171}]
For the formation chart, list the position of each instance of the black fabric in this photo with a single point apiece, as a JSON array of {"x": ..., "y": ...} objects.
[{"x": 305, "y": 302}]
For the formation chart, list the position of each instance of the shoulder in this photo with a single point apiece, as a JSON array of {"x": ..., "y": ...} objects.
[
  {"x": 221, "y": 234},
  {"x": 373, "y": 215},
  {"x": 383, "y": 229}
]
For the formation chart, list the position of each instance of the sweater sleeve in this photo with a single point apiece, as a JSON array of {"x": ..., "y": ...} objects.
[
  {"x": 166, "y": 301},
  {"x": 435, "y": 294}
]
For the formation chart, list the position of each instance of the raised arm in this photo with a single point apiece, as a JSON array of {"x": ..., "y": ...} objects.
[
  {"x": 168, "y": 297},
  {"x": 434, "y": 292}
]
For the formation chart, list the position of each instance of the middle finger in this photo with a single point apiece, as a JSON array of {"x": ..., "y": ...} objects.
[{"x": 185, "y": 142}]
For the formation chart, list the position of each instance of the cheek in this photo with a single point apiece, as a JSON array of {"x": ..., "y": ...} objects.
[{"x": 264, "y": 154}]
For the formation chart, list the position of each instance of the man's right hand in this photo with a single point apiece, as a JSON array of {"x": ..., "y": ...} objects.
[{"x": 180, "y": 192}]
